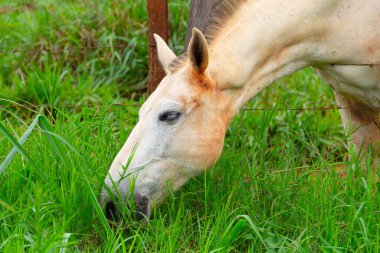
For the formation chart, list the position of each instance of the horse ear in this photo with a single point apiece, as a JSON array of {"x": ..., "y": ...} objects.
[
  {"x": 198, "y": 51},
  {"x": 165, "y": 54}
]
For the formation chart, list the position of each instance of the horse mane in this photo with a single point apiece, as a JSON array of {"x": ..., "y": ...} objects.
[{"x": 222, "y": 11}]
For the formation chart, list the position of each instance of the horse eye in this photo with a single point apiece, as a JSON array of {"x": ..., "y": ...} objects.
[{"x": 169, "y": 116}]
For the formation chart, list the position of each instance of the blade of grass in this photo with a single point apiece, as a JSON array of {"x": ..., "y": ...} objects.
[
  {"x": 46, "y": 128},
  {"x": 21, "y": 141},
  {"x": 231, "y": 233},
  {"x": 19, "y": 148},
  {"x": 64, "y": 242},
  {"x": 254, "y": 228}
]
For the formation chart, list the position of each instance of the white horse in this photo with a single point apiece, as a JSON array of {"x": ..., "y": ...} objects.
[{"x": 248, "y": 44}]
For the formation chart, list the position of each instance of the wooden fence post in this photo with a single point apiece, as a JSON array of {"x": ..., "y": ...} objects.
[
  {"x": 157, "y": 23},
  {"x": 199, "y": 13}
]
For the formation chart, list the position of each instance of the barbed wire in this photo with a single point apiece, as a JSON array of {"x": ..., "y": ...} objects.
[
  {"x": 87, "y": 48},
  {"x": 34, "y": 107},
  {"x": 371, "y": 65},
  {"x": 70, "y": 49},
  {"x": 79, "y": 48}
]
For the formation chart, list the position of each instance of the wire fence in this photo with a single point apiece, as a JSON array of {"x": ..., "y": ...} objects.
[
  {"x": 125, "y": 46},
  {"x": 75, "y": 49},
  {"x": 34, "y": 107},
  {"x": 70, "y": 49}
]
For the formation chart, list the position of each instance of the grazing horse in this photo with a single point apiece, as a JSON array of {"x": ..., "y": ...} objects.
[{"x": 246, "y": 46}]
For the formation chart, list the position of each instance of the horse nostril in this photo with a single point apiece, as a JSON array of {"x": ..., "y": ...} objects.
[
  {"x": 112, "y": 212},
  {"x": 140, "y": 211}
]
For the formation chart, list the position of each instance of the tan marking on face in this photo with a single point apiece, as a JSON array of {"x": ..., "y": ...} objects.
[{"x": 200, "y": 80}]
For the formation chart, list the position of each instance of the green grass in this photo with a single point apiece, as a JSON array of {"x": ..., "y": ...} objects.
[{"x": 274, "y": 188}]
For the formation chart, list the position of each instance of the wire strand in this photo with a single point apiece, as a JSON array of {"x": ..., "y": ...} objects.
[
  {"x": 71, "y": 49},
  {"x": 86, "y": 48},
  {"x": 33, "y": 107}
]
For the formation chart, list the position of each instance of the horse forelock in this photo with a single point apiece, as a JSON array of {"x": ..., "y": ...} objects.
[{"x": 218, "y": 18}]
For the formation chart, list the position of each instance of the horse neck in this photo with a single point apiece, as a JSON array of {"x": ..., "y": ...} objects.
[{"x": 264, "y": 41}]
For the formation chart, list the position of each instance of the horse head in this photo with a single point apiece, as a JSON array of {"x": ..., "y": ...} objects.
[{"x": 179, "y": 134}]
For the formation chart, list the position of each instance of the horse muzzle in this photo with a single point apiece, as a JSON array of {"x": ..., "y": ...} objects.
[{"x": 116, "y": 209}]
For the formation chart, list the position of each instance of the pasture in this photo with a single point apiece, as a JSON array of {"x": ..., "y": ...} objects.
[{"x": 275, "y": 188}]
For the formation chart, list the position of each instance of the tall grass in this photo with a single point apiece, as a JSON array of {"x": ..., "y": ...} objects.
[
  {"x": 73, "y": 25},
  {"x": 274, "y": 189}
]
